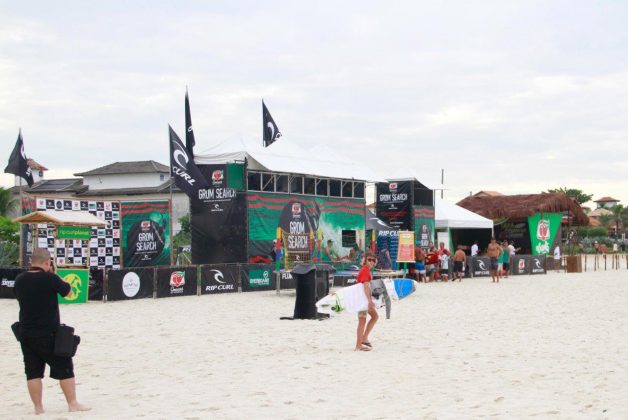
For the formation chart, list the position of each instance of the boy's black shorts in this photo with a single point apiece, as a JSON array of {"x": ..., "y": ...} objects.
[{"x": 38, "y": 351}]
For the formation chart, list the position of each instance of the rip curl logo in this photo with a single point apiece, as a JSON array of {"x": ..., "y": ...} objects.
[
  {"x": 481, "y": 265},
  {"x": 537, "y": 263},
  {"x": 218, "y": 276},
  {"x": 189, "y": 129}
]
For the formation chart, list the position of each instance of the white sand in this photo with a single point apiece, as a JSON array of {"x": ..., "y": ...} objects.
[{"x": 547, "y": 346}]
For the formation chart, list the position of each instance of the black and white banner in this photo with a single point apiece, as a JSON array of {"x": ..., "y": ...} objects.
[
  {"x": 537, "y": 264},
  {"x": 7, "y": 279},
  {"x": 18, "y": 164},
  {"x": 271, "y": 131},
  {"x": 481, "y": 266},
  {"x": 176, "y": 281},
  {"x": 393, "y": 204},
  {"x": 183, "y": 169},
  {"x": 519, "y": 265},
  {"x": 130, "y": 284},
  {"x": 219, "y": 279}
]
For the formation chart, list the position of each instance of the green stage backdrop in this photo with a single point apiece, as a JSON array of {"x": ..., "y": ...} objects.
[
  {"x": 145, "y": 233},
  {"x": 308, "y": 223}
]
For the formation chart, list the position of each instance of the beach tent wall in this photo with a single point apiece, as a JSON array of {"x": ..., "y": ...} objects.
[{"x": 463, "y": 226}]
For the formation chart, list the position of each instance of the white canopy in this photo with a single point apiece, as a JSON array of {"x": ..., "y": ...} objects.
[
  {"x": 62, "y": 218},
  {"x": 287, "y": 157},
  {"x": 449, "y": 215}
]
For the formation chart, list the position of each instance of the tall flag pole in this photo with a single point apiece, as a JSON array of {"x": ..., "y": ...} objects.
[
  {"x": 18, "y": 165},
  {"x": 270, "y": 129},
  {"x": 189, "y": 132},
  {"x": 186, "y": 174}
]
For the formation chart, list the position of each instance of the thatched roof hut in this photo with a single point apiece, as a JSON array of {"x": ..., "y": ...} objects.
[{"x": 524, "y": 205}]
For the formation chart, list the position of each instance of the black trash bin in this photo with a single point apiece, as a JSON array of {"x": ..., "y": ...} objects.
[{"x": 311, "y": 285}]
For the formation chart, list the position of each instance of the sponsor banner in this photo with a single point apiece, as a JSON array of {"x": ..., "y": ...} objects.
[
  {"x": 176, "y": 281},
  {"x": 424, "y": 226},
  {"x": 145, "y": 233},
  {"x": 130, "y": 284},
  {"x": 257, "y": 277},
  {"x": 394, "y": 204},
  {"x": 218, "y": 220},
  {"x": 544, "y": 231},
  {"x": 481, "y": 266},
  {"x": 405, "y": 249},
  {"x": 78, "y": 279},
  {"x": 73, "y": 232},
  {"x": 219, "y": 279},
  {"x": 520, "y": 264},
  {"x": 307, "y": 225},
  {"x": 537, "y": 264},
  {"x": 96, "y": 282},
  {"x": 7, "y": 282}
]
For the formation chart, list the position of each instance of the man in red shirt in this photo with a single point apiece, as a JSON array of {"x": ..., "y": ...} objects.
[{"x": 364, "y": 277}]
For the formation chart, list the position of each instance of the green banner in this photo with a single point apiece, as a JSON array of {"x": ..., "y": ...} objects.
[
  {"x": 145, "y": 233},
  {"x": 259, "y": 278},
  {"x": 424, "y": 226},
  {"x": 78, "y": 279},
  {"x": 74, "y": 232},
  {"x": 543, "y": 231}
]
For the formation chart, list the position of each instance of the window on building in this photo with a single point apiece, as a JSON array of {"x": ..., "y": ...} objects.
[
  {"x": 161, "y": 176},
  {"x": 309, "y": 186},
  {"x": 41, "y": 174},
  {"x": 334, "y": 187},
  {"x": 296, "y": 185},
  {"x": 349, "y": 238},
  {"x": 254, "y": 180},
  {"x": 281, "y": 183},
  {"x": 347, "y": 189},
  {"x": 268, "y": 182},
  {"x": 322, "y": 187},
  {"x": 358, "y": 189}
]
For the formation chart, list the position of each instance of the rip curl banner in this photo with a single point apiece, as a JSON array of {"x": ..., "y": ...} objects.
[
  {"x": 544, "y": 232},
  {"x": 128, "y": 284},
  {"x": 79, "y": 285},
  {"x": 218, "y": 216},
  {"x": 220, "y": 278},
  {"x": 307, "y": 225},
  {"x": 394, "y": 204},
  {"x": 537, "y": 264},
  {"x": 145, "y": 233},
  {"x": 7, "y": 279},
  {"x": 481, "y": 266},
  {"x": 176, "y": 281}
]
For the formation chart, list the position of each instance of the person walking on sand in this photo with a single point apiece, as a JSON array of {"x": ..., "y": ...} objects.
[
  {"x": 459, "y": 262},
  {"x": 36, "y": 291},
  {"x": 364, "y": 329},
  {"x": 494, "y": 251}
]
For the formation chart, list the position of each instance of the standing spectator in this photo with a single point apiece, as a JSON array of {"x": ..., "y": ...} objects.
[
  {"x": 419, "y": 263},
  {"x": 431, "y": 260},
  {"x": 505, "y": 258},
  {"x": 494, "y": 251},
  {"x": 475, "y": 249},
  {"x": 364, "y": 328},
  {"x": 444, "y": 266},
  {"x": 384, "y": 262},
  {"x": 596, "y": 247},
  {"x": 603, "y": 249},
  {"x": 36, "y": 291},
  {"x": 557, "y": 258},
  {"x": 459, "y": 263}
]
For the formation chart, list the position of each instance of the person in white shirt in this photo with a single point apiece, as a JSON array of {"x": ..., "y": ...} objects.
[
  {"x": 475, "y": 249},
  {"x": 557, "y": 258}
]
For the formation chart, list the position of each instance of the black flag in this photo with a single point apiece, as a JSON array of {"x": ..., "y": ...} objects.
[
  {"x": 18, "y": 164},
  {"x": 189, "y": 132},
  {"x": 183, "y": 169},
  {"x": 271, "y": 131}
]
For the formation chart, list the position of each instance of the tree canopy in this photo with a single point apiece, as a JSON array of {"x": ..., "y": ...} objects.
[{"x": 577, "y": 194}]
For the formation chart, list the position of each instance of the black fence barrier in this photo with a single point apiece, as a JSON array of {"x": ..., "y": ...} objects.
[
  {"x": 480, "y": 266},
  {"x": 220, "y": 278},
  {"x": 7, "y": 281},
  {"x": 176, "y": 281},
  {"x": 537, "y": 264},
  {"x": 96, "y": 283},
  {"x": 519, "y": 265},
  {"x": 130, "y": 283},
  {"x": 257, "y": 277}
]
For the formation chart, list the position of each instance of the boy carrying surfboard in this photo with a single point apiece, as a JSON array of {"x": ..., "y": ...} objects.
[{"x": 364, "y": 329}]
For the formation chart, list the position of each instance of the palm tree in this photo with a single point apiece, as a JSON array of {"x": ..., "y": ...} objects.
[
  {"x": 7, "y": 201},
  {"x": 617, "y": 216}
]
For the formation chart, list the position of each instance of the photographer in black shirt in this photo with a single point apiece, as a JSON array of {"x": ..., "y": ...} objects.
[{"x": 36, "y": 291}]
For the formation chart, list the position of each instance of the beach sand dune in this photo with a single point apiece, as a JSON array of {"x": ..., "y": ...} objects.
[{"x": 531, "y": 346}]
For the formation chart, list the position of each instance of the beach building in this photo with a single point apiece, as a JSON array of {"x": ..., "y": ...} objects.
[{"x": 535, "y": 222}]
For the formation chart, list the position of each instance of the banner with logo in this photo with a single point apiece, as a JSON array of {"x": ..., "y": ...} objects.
[
  {"x": 394, "y": 204},
  {"x": 221, "y": 278},
  {"x": 481, "y": 266},
  {"x": 218, "y": 217},
  {"x": 145, "y": 233},
  {"x": 405, "y": 249},
  {"x": 519, "y": 265},
  {"x": 127, "y": 284},
  {"x": 544, "y": 232},
  {"x": 176, "y": 281},
  {"x": 96, "y": 283},
  {"x": 537, "y": 264},
  {"x": 329, "y": 229},
  {"x": 7, "y": 281},
  {"x": 424, "y": 226},
  {"x": 78, "y": 279},
  {"x": 257, "y": 277}
]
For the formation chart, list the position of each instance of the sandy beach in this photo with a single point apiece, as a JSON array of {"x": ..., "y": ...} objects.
[{"x": 548, "y": 346}]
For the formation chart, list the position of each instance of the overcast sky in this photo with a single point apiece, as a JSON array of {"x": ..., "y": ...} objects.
[{"x": 515, "y": 97}]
